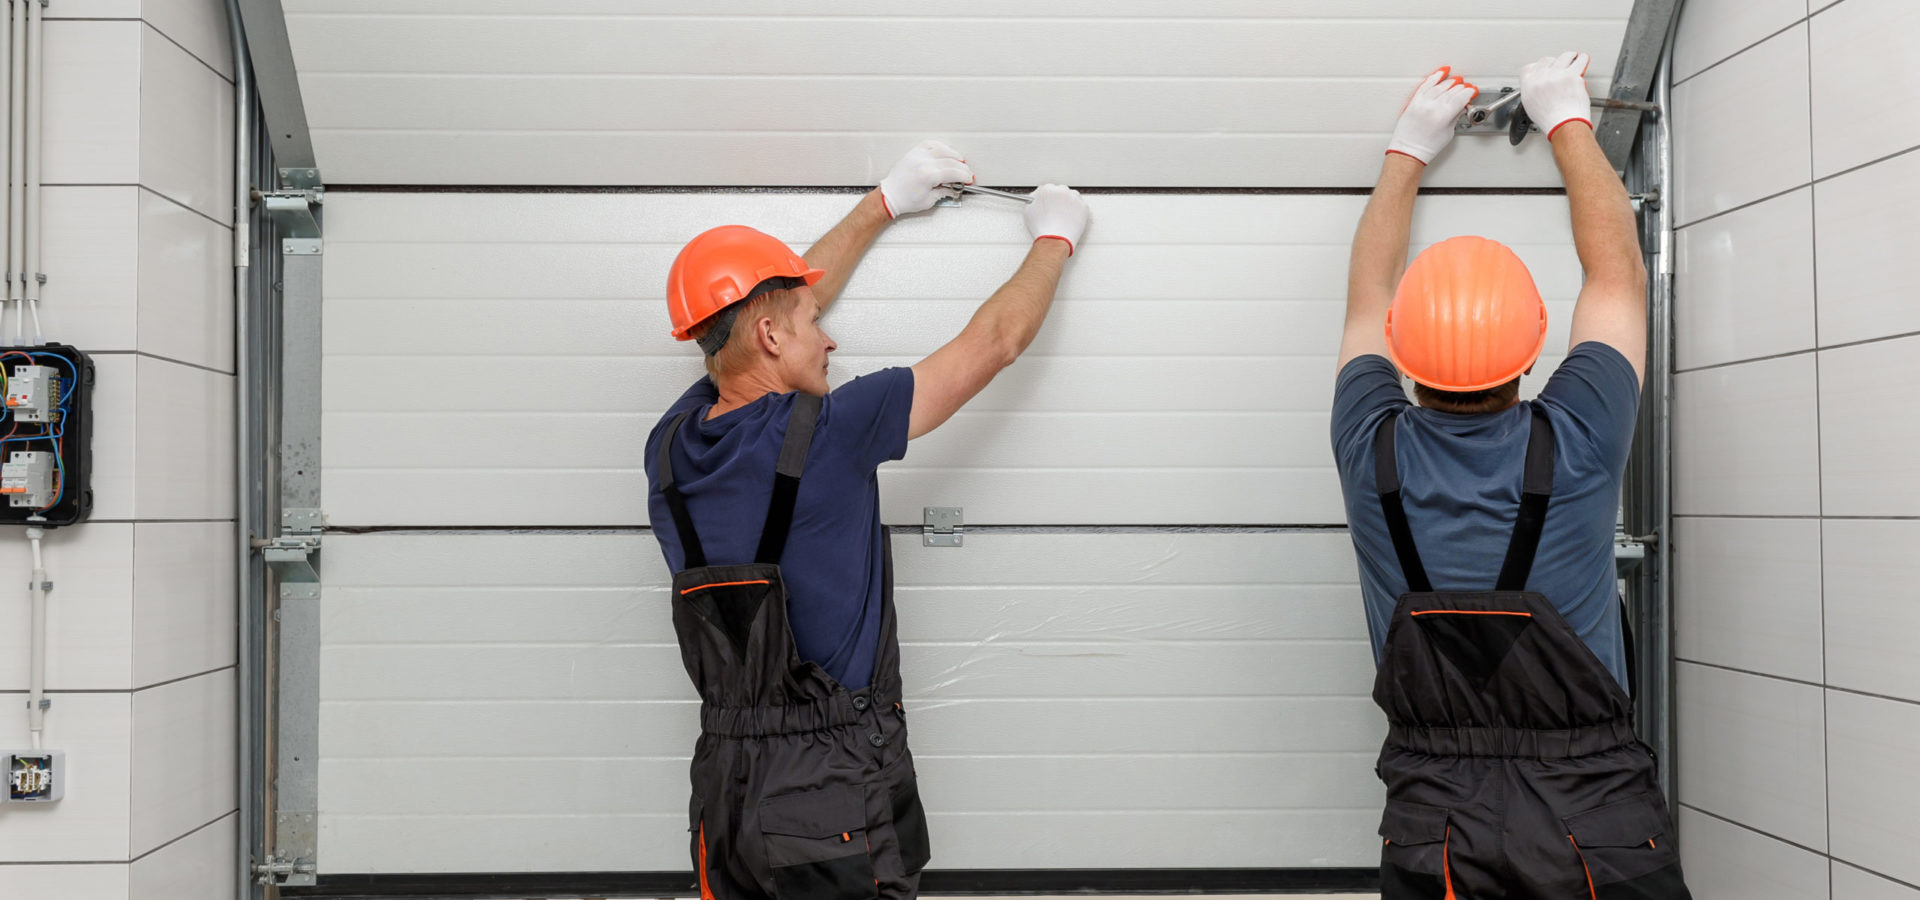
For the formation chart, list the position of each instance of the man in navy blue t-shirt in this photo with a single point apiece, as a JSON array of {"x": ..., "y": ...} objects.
[
  {"x": 802, "y": 781},
  {"x": 1483, "y": 526}
]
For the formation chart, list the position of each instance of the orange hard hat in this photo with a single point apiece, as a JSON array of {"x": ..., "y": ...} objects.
[
  {"x": 1466, "y": 317},
  {"x": 720, "y": 267}
]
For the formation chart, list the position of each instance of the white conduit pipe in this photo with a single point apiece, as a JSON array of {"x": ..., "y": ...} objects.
[
  {"x": 37, "y": 692},
  {"x": 16, "y": 165},
  {"x": 7, "y": 262},
  {"x": 30, "y": 275}
]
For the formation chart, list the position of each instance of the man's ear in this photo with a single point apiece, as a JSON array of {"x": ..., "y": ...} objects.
[{"x": 767, "y": 335}]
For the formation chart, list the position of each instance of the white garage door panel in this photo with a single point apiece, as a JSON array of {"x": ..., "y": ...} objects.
[
  {"x": 1183, "y": 378},
  {"x": 613, "y": 670},
  {"x": 1085, "y": 783},
  {"x": 1135, "y": 94},
  {"x": 1101, "y": 687},
  {"x": 574, "y": 727},
  {"x": 1204, "y": 9}
]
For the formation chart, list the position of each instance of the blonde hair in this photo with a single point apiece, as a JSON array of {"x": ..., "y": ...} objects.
[{"x": 737, "y": 353}]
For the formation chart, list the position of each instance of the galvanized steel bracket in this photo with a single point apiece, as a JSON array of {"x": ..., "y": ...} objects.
[
  {"x": 942, "y": 526},
  {"x": 293, "y": 211}
]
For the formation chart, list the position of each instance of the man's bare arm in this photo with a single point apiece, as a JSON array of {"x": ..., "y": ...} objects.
[
  {"x": 842, "y": 248},
  {"x": 1379, "y": 256}
]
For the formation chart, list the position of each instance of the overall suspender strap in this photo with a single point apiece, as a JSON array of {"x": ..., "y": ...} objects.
[
  {"x": 677, "y": 504},
  {"x": 1386, "y": 480},
  {"x": 786, "y": 477},
  {"x": 1536, "y": 492},
  {"x": 786, "y": 484}
]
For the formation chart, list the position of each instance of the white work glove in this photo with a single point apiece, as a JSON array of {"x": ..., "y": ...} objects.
[
  {"x": 1554, "y": 91},
  {"x": 1057, "y": 211},
  {"x": 915, "y": 181},
  {"x": 1426, "y": 125}
]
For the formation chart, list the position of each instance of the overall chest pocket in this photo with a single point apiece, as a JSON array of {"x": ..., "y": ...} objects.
[{"x": 817, "y": 845}]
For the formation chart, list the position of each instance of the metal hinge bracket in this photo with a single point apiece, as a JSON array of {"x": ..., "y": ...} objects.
[
  {"x": 942, "y": 526},
  {"x": 1629, "y": 551},
  {"x": 291, "y": 554},
  {"x": 294, "y": 211}
]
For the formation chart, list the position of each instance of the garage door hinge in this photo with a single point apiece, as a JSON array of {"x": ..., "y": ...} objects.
[
  {"x": 291, "y": 554},
  {"x": 294, "y": 211},
  {"x": 943, "y": 526}
]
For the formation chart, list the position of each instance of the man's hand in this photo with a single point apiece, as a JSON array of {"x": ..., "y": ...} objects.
[
  {"x": 1554, "y": 91},
  {"x": 1426, "y": 125},
  {"x": 915, "y": 182},
  {"x": 1058, "y": 212}
]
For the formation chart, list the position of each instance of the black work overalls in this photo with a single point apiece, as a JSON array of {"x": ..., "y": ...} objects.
[
  {"x": 1511, "y": 765},
  {"x": 802, "y": 789}
]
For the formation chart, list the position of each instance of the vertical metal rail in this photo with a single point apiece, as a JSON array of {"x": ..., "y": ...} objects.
[
  {"x": 1662, "y": 280},
  {"x": 245, "y": 493},
  {"x": 1650, "y": 473},
  {"x": 295, "y": 558}
]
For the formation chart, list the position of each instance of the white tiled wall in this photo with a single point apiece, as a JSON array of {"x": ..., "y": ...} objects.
[
  {"x": 141, "y": 651},
  {"x": 1796, "y": 477}
]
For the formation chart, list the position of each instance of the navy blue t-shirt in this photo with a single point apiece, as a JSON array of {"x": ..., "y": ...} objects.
[
  {"x": 1460, "y": 482},
  {"x": 833, "y": 564}
]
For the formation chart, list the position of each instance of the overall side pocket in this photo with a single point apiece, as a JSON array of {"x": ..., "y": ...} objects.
[
  {"x": 817, "y": 845},
  {"x": 1413, "y": 854},
  {"x": 1627, "y": 851},
  {"x": 910, "y": 824}
]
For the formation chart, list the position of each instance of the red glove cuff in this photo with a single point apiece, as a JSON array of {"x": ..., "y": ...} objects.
[
  {"x": 1557, "y": 128},
  {"x": 1057, "y": 238}
]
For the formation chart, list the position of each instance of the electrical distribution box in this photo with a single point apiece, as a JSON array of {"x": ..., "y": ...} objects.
[
  {"x": 46, "y": 454},
  {"x": 35, "y": 776}
]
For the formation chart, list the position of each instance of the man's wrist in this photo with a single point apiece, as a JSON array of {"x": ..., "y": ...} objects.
[
  {"x": 1053, "y": 243},
  {"x": 1570, "y": 129},
  {"x": 875, "y": 202}
]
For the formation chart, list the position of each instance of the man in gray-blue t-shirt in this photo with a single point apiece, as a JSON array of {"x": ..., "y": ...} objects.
[
  {"x": 1483, "y": 526},
  {"x": 1460, "y": 478}
]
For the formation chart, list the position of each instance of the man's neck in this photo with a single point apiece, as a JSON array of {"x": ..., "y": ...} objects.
[{"x": 739, "y": 390}]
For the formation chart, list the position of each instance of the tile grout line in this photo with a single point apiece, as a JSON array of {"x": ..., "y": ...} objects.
[
  {"x": 1820, "y": 480},
  {"x": 1802, "y": 352},
  {"x": 1820, "y": 180},
  {"x": 157, "y": 193},
  {"x": 1737, "y": 53},
  {"x": 202, "y": 827},
  {"x": 1744, "y": 826},
  {"x": 192, "y": 55},
  {"x": 1905, "y": 701}
]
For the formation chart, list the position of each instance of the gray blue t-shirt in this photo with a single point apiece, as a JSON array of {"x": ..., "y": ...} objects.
[
  {"x": 834, "y": 564},
  {"x": 1460, "y": 481}
]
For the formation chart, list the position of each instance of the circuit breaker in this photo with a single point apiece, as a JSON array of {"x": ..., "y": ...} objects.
[
  {"x": 26, "y": 478},
  {"x": 33, "y": 394},
  {"x": 46, "y": 454}
]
